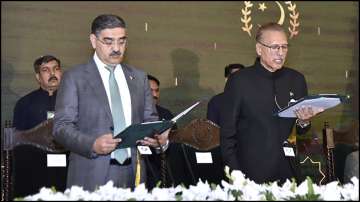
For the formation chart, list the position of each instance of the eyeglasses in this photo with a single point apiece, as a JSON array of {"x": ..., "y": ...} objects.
[
  {"x": 111, "y": 42},
  {"x": 274, "y": 48}
]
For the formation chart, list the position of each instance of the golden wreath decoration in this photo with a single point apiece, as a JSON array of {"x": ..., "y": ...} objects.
[{"x": 293, "y": 18}]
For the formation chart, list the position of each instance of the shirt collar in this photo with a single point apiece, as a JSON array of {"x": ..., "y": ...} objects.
[
  {"x": 266, "y": 73},
  {"x": 44, "y": 92},
  {"x": 102, "y": 65}
]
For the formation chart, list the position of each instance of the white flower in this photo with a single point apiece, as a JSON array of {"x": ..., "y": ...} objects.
[
  {"x": 350, "y": 191},
  {"x": 76, "y": 193},
  {"x": 252, "y": 191},
  {"x": 46, "y": 194},
  {"x": 240, "y": 188},
  {"x": 238, "y": 177},
  {"x": 302, "y": 189},
  {"x": 331, "y": 191},
  {"x": 219, "y": 194},
  {"x": 285, "y": 191},
  {"x": 160, "y": 194},
  {"x": 276, "y": 191},
  {"x": 198, "y": 192}
]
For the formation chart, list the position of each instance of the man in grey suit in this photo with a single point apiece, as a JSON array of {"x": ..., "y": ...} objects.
[{"x": 85, "y": 110}]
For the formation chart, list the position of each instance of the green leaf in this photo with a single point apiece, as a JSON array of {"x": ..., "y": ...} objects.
[
  {"x": 310, "y": 185},
  {"x": 227, "y": 174},
  {"x": 183, "y": 185},
  {"x": 158, "y": 184},
  {"x": 307, "y": 197},
  {"x": 310, "y": 196},
  {"x": 269, "y": 196},
  {"x": 213, "y": 186},
  {"x": 53, "y": 189},
  {"x": 237, "y": 194},
  {"x": 293, "y": 186},
  {"x": 178, "y": 196}
]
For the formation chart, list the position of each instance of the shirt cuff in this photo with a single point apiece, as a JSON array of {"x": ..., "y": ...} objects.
[
  {"x": 302, "y": 124},
  {"x": 163, "y": 148},
  {"x": 93, "y": 155}
]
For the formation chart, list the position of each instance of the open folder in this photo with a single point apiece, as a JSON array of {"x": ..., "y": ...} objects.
[
  {"x": 324, "y": 101},
  {"x": 136, "y": 132}
]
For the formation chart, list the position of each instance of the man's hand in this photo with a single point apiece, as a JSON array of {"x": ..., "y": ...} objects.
[
  {"x": 305, "y": 113},
  {"x": 158, "y": 139},
  {"x": 105, "y": 144}
]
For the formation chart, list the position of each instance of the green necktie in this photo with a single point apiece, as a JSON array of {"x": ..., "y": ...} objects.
[{"x": 117, "y": 113}]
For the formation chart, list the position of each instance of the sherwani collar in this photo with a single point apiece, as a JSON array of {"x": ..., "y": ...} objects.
[{"x": 266, "y": 73}]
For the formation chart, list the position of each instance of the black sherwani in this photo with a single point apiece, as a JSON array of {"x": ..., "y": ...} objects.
[
  {"x": 214, "y": 108},
  {"x": 32, "y": 109},
  {"x": 251, "y": 136}
]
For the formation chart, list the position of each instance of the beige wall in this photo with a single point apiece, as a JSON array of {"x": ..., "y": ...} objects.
[{"x": 180, "y": 42}]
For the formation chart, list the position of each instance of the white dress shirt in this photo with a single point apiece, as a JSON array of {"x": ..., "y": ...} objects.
[{"x": 123, "y": 88}]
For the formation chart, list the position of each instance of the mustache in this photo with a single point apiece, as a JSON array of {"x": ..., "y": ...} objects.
[
  {"x": 53, "y": 78},
  {"x": 115, "y": 53},
  {"x": 156, "y": 98}
]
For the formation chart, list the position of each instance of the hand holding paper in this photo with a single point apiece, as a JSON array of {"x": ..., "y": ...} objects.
[
  {"x": 306, "y": 112},
  {"x": 138, "y": 132},
  {"x": 105, "y": 144},
  {"x": 157, "y": 141},
  {"x": 300, "y": 109}
]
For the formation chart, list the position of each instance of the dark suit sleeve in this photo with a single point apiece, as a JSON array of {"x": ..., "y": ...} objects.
[
  {"x": 229, "y": 114},
  {"x": 211, "y": 112},
  {"x": 304, "y": 92},
  {"x": 66, "y": 115}
]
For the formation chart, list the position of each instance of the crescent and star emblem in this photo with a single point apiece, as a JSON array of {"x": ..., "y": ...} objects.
[
  {"x": 282, "y": 13},
  {"x": 293, "y": 16}
]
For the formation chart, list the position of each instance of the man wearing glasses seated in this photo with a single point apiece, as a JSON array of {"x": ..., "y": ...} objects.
[{"x": 252, "y": 138}]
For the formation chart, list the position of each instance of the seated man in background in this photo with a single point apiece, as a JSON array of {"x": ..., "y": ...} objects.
[
  {"x": 30, "y": 164},
  {"x": 212, "y": 171},
  {"x": 38, "y": 105},
  {"x": 155, "y": 90},
  {"x": 175, "y": 170},
  {"x": 153, "y": 168},
  {"x": 213, "y": 109}
]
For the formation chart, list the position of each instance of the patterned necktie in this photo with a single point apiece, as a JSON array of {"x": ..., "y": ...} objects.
[{"x": 117, "y": 113}]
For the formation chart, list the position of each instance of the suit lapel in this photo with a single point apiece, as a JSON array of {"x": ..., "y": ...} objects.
[{"x": 95, "y": 82}]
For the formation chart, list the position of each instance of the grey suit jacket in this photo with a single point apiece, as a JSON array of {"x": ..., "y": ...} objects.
[{"x": 82, "y": 114}]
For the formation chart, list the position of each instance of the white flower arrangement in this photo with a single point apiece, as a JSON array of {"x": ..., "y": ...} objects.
[{"x": 238, "y": 188}]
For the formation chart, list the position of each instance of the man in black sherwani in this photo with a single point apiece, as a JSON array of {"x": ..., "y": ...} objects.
[{"x": 252, "y": 137}]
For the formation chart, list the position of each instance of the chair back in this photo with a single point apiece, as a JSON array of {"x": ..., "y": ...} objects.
[{"x": 22, "y": 149}]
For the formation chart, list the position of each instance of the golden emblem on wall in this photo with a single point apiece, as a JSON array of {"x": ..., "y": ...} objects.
[{"x": 294, "y": 22}]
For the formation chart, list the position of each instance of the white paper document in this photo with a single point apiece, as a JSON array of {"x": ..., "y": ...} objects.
[
  {"x": 203, "y": 157},
  {"x": 56, "y": 160},
  {"x": 185, "y": 112},
  {"x": 320, "y": 102},
  {"x": 144, "y": 150},
  {"x": 288, "y": 151}
]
